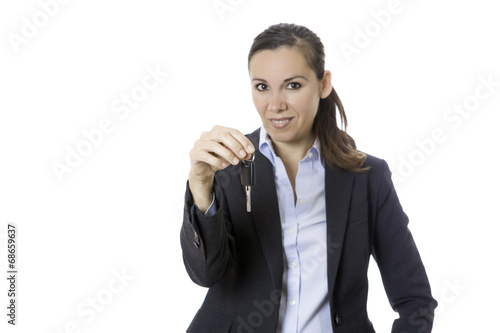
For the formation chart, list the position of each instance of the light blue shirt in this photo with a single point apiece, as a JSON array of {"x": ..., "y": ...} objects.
[{"x": 304, "y": 305}]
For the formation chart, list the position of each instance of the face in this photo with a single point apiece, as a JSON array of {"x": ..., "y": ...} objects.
[{"x": 286, "y": 94}]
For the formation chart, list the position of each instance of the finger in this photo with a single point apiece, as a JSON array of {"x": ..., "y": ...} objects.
[
  {"x": 243, "y": 141},
  {"x": 204, "y": 157},
  {"x": 219, "y": 150},
  {"x": 224, "y": 144},
  {"x": 233, "y": 139}
]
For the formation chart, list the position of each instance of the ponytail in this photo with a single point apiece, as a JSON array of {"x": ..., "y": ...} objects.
[{"x": 338, "y": 148}]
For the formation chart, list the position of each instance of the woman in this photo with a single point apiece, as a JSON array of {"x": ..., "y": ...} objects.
[{"x": 298, "y": 261}]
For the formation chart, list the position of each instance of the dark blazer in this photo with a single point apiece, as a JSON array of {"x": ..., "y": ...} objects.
[{"x": 239, "y": 255}]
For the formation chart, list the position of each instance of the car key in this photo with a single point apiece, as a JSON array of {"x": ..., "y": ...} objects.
[{"x": 248, "y": 179}]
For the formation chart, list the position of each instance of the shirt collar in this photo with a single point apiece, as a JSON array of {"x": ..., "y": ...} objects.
[{"x": 267, "y": 149}]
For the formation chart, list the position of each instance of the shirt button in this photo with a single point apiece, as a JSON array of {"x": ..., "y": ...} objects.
[
  {"x": 293, "y": 264},
  {"x": 310, "y": 155},
  {"x": 302, "y": 202},
  {"x": 291, "y": 230},
  {"x": 292, "y": 302}
]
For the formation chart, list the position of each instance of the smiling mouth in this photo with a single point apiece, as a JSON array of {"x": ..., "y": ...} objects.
[{"x": 281, "y": 122}]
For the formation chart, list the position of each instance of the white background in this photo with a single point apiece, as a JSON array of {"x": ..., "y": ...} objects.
[{"x": 120, "y": 209}]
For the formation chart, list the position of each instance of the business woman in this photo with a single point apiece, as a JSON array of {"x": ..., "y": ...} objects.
[{"x": 320, "y": 208}]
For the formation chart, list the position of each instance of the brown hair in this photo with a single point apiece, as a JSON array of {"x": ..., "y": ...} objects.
[{"x": 338, "y": 149}]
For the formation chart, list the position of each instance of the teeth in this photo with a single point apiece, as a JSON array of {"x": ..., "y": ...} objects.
[{"x": 281, "y": 121}]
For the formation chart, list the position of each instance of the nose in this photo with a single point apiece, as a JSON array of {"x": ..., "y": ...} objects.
[{"x": 276, "y": 102}]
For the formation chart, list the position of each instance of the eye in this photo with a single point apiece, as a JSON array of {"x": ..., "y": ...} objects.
[
  {"x": 261, "y": 87},
  {"x": 294, "y": 85}
]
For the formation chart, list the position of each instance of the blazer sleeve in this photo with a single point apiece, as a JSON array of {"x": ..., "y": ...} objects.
[
  {"x": 206, "y": 241},
  {"x": 403, "y": 273}
]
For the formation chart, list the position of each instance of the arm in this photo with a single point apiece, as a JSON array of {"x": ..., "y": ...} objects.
[
  {"x": 403, "y": 273},
  {"x": 206, "y": 240}
]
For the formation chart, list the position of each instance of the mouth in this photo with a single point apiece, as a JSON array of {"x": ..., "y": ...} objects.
[{"x": 280, "y": 123}]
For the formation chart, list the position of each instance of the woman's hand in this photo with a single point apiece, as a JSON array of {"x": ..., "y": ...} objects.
[{"x": 215, "y": 150}]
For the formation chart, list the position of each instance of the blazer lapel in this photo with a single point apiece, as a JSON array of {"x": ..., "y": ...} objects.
[
  {"x": 265, "y": 214},
  {"x": 338, "y": 188}
]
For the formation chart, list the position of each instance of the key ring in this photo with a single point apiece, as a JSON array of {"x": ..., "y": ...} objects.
[{"x": 251, "y": 159}]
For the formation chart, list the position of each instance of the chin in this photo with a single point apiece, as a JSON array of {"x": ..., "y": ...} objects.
[{"x": 280, "y": 137}]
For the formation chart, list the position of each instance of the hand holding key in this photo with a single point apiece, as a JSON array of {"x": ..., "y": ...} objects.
[{"x": 213, "y": 151}]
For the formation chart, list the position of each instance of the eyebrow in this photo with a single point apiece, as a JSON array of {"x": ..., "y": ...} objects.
[{"x": 285, "y": 80}]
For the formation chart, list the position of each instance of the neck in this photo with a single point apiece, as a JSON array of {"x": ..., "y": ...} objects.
[{"x": 293, "y": 151}]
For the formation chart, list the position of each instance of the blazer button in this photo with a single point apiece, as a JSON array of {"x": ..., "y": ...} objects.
[
  {"x": 338, "y": 319},
  {"x": 196, "y": 240}
]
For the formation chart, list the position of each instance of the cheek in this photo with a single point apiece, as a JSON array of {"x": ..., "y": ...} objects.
[{"x": 306, "y": 105}]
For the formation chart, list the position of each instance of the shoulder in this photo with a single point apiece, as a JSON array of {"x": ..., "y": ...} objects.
[
  {"x": 375, "y": 163},
  {"x": 378, "y": 174},
  {"x": 254, "y": 137},
  {"x": 379, "y": 177}
]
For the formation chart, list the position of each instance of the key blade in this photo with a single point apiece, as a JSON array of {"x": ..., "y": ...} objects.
[{"x": 248, "y": 190}]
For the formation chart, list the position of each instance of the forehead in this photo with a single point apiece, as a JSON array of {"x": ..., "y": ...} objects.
[{"x": 282, "y": 62}]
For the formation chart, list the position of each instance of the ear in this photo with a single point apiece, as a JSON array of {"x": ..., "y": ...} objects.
[{"x": 326, "y": 85}]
